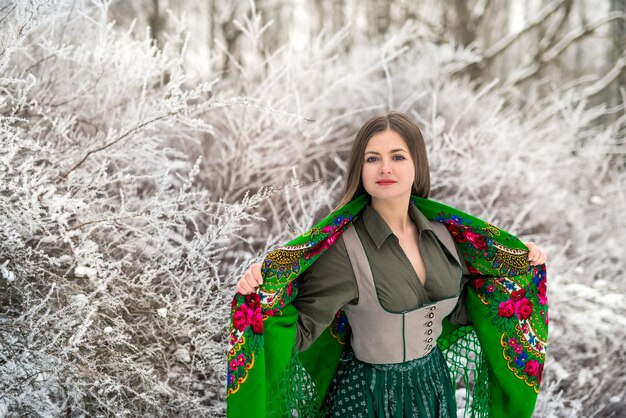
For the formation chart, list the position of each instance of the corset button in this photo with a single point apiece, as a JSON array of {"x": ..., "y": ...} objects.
[
  {"x": 430, "y": 339},
  {"x": 430, "y": 323},
  {"x": 430, "y": 331},
  {"x": 431, "y": 315}
]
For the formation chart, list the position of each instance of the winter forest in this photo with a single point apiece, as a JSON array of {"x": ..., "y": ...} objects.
[{"x": 151, "y": 150}]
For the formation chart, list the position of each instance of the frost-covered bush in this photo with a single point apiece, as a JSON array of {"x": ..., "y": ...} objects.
[{"x": 132, "y": 198}]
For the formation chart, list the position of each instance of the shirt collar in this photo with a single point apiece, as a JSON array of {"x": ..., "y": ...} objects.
[{"x": 378, "y": 229}]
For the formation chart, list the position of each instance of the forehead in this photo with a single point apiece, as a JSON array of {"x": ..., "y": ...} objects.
[{"x": 385, "y": 141}]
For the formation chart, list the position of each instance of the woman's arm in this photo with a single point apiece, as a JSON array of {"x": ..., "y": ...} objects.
[{"x": 324, "y": 288}]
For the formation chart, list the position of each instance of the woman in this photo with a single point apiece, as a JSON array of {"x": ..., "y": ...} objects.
[{"x": 396, "y": 274}]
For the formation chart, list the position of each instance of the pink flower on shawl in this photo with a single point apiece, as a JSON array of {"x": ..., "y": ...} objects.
[
  {"x": 233, "y": 365},
  {"x": 542, "y": 292},
  {"x": 477, "y": 240},
  {"x": 490, "y": 288},
  {"x": 242, "y": 317},
  {"x": 506, "y": 309},
  {"x": 532, "y": 368},
  {"x": 518, "y": 349},
  {"x": 324, "y": 244},
  {"x": 523, "y": 308}
]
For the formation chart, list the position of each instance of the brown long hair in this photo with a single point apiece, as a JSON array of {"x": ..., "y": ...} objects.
[{"x": 412, "y": 136}]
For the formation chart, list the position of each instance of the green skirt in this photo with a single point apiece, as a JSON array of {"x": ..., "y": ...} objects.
[{"x": 416, "y": 388}]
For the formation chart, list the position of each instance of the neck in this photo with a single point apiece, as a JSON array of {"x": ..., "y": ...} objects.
[{"x": 395, "y": 212}]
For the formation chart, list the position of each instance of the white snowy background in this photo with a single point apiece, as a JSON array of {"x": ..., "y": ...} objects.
[{"x": 152, "y": 150}]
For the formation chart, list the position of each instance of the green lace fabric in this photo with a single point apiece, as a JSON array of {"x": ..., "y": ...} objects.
[{"x": 441, "y": 384}]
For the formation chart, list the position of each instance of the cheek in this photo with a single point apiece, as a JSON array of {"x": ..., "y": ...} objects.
[{"x": 366, "y": 173}]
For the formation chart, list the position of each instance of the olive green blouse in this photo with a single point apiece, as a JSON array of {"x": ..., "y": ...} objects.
[{"x": 329, "y": 284}]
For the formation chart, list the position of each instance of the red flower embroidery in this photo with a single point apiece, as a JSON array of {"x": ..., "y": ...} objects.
[
  {"x": 257, "y": 323},
  {"x": 477, "y": 241},
  {"x": 472, "y": 269},
  {"x": 518, "y": 295},
  {"x": 506, "y": 309},
  {"x": 542, "y": 292},
  {"x": 478, "y": 283},
  {"x": 242, "y": 317},
  {"x": 532, "y": 368},
  {"x": 253, "y": 300},
  {"x": 323, "y": 245},
  {"x": 523, "y": 308},
  {"x": 455, "y": 232}
]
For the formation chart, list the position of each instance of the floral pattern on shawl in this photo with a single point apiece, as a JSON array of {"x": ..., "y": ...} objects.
[
  {"x": 513, "y": 293},
  {"x": 517, "y": 302},
  {"x": 280, "y": 270}
]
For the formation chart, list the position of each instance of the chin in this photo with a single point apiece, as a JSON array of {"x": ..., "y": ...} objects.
[{"x": 387, "y": 194}]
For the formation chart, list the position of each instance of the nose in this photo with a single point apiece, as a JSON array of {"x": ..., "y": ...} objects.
[{"x": 385, "y": 167}]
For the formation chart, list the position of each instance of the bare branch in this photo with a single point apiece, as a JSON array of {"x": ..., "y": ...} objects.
[
  {"x": 537, "y": 63},
  {"x": 118, "y": 139},
  {"x": 604, "y": 82},
  {"x": 508, "y": 40}
]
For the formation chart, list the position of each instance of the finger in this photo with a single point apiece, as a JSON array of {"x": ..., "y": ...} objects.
[
  {"x": 534, "y": 256},
  {"x": 256, "y": 273},
  {"x": 540, "y": 258},
  {"x": 252, "y": 283},
  {"x": 246, "y": 288},
  {"x": 240, "y": 288}
]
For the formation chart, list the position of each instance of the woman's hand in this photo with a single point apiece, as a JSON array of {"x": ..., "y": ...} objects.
[
  {"x": 535, "y": 255},
  {"x": 251, "y": 280}
]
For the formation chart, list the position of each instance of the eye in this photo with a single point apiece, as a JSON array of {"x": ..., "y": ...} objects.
[
  {"x": 400, "y": 157},
  {"x": 370, "y": 159}
]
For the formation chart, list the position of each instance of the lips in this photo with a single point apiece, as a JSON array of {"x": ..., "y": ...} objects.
[{"x": 385, "y": 182}]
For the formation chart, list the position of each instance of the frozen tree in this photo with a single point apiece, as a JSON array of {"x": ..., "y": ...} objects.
[{"x": 133, "y": 195}]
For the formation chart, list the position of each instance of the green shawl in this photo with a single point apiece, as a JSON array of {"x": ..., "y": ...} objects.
[{"x": 498, "y": 359}]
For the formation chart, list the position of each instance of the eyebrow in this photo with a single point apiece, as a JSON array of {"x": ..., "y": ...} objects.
[{"x": 392, "y": 151}]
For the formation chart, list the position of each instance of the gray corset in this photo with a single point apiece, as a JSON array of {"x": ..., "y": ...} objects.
[{"x": 383, "y": 337}]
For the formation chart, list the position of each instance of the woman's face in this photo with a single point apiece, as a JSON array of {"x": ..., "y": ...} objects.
[{"x": 388, "y": 170}]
